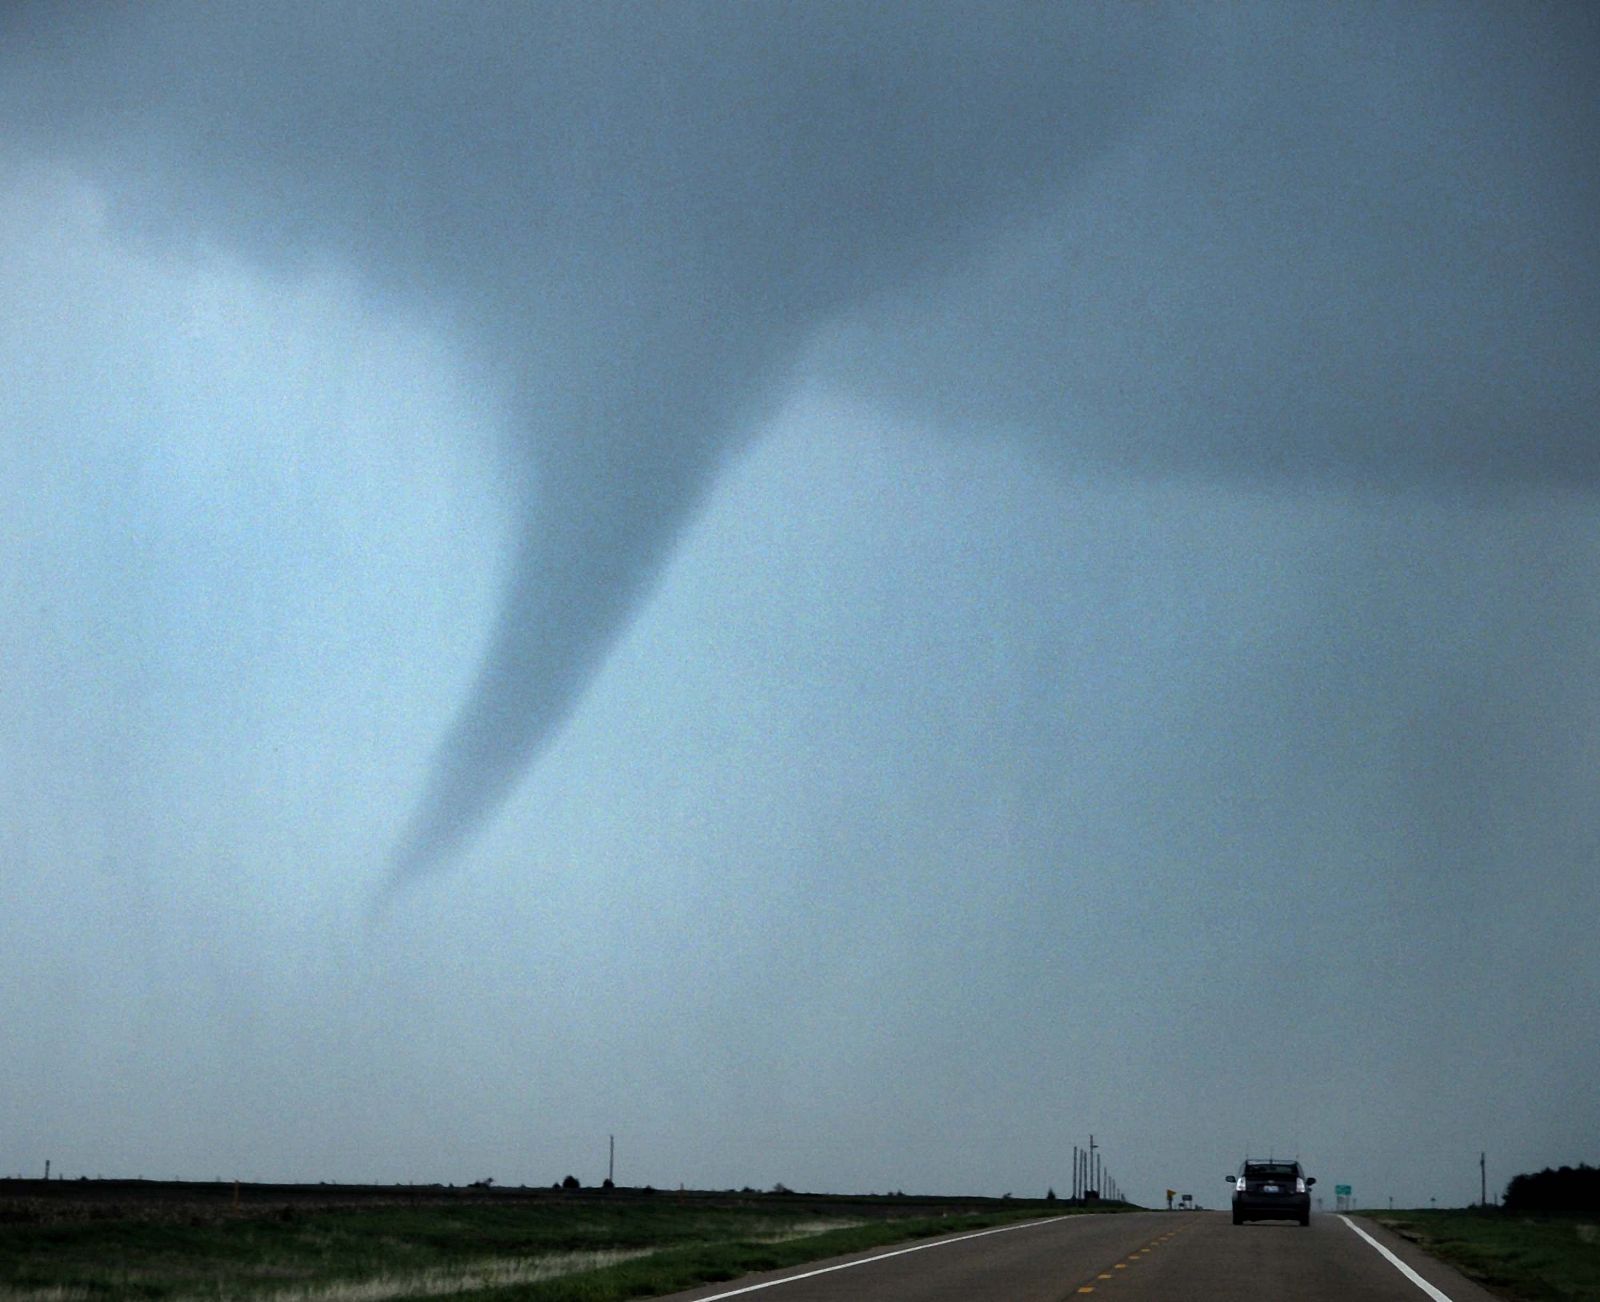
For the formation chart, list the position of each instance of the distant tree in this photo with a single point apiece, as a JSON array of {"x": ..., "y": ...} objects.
[
  {"x": 571, "y": 1182},
  {"x": 1050, "y": 1196},
  {"x": 1567, "y": 1191},
  {"x": 606, "y": 1183}
]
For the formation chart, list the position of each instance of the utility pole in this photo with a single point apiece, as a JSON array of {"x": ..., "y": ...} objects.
[
  {"x": 1093, "y": 1178},
  {"x": 1074, "y": 1172},
  {"x": 611, "y": 1162},
  {"x": 1483, "y": 1179}
]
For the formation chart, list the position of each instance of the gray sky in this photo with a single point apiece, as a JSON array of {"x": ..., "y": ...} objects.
[{"x": 847, "y": 593}]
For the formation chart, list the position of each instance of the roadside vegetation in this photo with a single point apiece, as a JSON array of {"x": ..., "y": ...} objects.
[
  {"x": 1521, "y": 1257},
  {"x": 506, "y": 1247}
]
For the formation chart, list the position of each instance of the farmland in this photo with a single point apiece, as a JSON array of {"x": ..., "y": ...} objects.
[{"x": 80, "y": 1241}]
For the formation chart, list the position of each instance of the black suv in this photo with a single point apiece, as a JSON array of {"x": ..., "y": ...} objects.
[{"x": 1267, "y": 1189}]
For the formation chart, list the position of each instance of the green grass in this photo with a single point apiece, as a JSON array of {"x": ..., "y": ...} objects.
[
  {"x": 598, "y": 1251},
  {"x": 1529, "y": 1259}
]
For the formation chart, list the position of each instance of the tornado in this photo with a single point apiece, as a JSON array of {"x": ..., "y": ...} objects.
[{"x": 634, "y": 217}]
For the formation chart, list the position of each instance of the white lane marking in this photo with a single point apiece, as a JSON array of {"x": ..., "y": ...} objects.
[
  {"x": 884, "y": 1256},
  {"x": 1399, "y": 1265}
]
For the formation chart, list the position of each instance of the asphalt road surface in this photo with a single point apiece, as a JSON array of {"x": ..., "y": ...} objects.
[{"x": 1133, "y": 1257}]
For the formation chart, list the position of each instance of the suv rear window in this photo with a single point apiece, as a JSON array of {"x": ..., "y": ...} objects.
[{"x": 1270, "y": 1171}]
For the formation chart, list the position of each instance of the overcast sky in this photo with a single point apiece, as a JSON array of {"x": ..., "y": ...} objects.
[{"x": 848, "y": 593}]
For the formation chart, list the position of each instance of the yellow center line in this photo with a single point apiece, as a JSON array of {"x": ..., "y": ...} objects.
[
  {"x": 1132, "y": 1259},
  {"x": 1121, "y": 1265}
]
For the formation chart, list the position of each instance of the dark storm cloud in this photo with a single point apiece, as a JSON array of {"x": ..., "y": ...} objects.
[
  {"x": 1357, "y": 247},
  {"x": 1282, "y": 243}
]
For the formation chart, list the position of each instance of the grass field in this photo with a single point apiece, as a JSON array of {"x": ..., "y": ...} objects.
[
  {"x": 1530, "y": 1259},
  {"x": 504, "y": 1245}
]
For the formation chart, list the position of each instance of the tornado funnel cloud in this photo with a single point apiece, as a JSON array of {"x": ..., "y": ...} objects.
[
  {"x": 676, "y": 333},
  {"x": 633, "y": 216},
  {"x": 602, "y": 513},
  {"x": 537, "y": 663}
]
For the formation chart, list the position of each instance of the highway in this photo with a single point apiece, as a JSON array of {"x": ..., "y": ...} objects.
[{"x": 1133, "y": 1257}]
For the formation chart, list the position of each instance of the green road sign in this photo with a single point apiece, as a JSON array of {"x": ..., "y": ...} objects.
[{"x": 1342, "y": 1190}]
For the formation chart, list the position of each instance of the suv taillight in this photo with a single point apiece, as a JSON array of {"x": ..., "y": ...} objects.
[
  {"x": 1239, "y": 1184},
  {"x": 1299, "y": 1184}
]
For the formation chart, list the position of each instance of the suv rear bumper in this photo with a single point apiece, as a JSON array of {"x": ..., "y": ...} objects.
[{"x": 1255, "y": 1207}]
